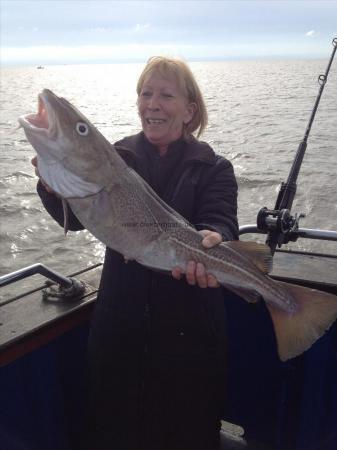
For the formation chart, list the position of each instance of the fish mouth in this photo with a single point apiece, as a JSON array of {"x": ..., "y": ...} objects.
[{"x": 41, "y": 119}]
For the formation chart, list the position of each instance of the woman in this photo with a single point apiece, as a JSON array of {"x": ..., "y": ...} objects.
[{"x": 157, "y": 343}]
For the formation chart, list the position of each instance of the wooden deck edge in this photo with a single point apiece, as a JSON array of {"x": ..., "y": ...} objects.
[{"x": 46, "y": 334}]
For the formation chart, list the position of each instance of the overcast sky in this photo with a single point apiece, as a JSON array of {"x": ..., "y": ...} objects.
[{"x": 42, "y": 32}]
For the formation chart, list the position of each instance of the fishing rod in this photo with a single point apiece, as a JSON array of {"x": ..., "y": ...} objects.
[{"x": 280, "y": 225}]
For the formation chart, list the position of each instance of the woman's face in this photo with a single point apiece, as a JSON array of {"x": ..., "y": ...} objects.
[{"x": 163, "y": 110}]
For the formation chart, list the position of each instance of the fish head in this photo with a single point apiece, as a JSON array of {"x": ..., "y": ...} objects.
[{"x": 73, "y": 156}]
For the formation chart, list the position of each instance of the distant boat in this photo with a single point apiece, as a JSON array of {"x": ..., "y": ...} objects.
[{"x": 40, "y": 67}]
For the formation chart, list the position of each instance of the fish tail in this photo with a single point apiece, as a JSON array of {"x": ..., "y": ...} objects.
[{"x": 296, "y": 332}]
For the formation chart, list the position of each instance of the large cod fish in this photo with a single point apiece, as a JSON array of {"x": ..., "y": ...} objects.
[{"x": 121, "y": 210}]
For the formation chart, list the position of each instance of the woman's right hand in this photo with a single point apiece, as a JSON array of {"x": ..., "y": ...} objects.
[
  {"x": 37, "y": 173},
  {"x": 195, "y": 272}
]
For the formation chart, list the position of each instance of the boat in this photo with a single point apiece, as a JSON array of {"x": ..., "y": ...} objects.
[
  {"x": 40, "y": 67},
  {"x": 270, "y": 405}
]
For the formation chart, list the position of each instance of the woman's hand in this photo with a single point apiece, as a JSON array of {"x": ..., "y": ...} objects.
[
  {"x": 195, "y": 272},
  {"x": 37, "y": 173}
]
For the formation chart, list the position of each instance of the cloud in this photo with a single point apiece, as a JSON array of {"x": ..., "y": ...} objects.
[
  {"x": 311, "y": 33},
  {"x": 100, "y": 29}
]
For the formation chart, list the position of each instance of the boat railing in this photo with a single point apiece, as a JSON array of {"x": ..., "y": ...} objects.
[
  {"x": 33, "y": 270},
  {"x": 308, "y": 233},
  {"x": 67, "y": 288}
]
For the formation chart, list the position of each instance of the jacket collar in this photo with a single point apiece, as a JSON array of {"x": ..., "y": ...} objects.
[{"x": 192, "y": 150}]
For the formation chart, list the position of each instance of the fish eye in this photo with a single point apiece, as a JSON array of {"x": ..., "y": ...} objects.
[{"x": 82, "y": 128}]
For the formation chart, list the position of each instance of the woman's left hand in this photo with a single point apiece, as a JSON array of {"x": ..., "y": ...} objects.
[{"x": 196, "y": 272}]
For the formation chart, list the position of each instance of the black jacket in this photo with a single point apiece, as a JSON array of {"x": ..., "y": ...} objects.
[{"x": 157, "y": 345}]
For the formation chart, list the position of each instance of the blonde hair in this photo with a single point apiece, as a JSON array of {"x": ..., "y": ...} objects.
[{"x": 187, "y": 83}]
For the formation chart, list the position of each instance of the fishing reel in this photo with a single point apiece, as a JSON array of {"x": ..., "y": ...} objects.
[{"x": 279, "y": 222}]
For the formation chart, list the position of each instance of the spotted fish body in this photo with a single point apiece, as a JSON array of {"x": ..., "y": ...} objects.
[{"x": 121, "y": 210}]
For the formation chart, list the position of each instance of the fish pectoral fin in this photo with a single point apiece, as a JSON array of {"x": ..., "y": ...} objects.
[
  {"x": 250, "y": 296},
  {"x": 316, "y": 311},
  {"x": 258, "y": 254}
]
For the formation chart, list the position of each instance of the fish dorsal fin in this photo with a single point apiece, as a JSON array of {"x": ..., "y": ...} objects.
[{"x": 258, "y": 254}]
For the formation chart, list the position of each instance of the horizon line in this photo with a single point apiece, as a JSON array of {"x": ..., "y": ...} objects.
[{"x": 144, "y": 60}]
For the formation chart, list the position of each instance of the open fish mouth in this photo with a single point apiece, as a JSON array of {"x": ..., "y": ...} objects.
[{"x": 39, "y": 120}]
